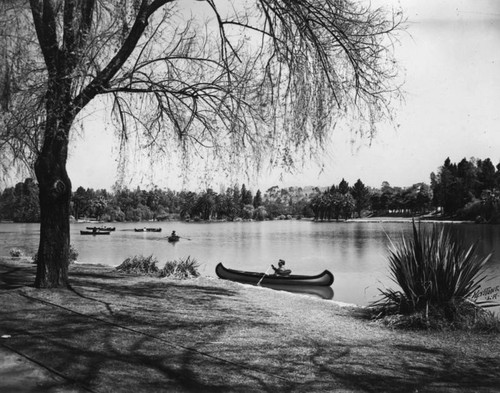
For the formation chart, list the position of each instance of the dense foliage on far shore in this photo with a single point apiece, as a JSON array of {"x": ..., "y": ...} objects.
[{"x": 468, "y": 190}]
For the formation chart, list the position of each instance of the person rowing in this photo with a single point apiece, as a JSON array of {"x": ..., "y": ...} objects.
[{"x": 280, "y": 270}]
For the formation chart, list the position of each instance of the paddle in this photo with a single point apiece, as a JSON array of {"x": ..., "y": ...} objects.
[{"x": 263, "y": 276}]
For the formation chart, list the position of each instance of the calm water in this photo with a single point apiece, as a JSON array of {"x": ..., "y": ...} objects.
[{"x": 355, "y": 252}]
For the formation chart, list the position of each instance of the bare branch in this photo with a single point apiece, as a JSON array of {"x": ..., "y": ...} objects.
[{"x": 270, "y": 79}]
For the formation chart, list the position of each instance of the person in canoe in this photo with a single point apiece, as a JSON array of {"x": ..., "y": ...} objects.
[
  {"x": 280, "y": 270},
  {"x": 174, "y": 237}
]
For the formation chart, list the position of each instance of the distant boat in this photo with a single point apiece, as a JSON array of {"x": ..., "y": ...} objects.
[
  {"x": 110, "y": 229},
  {"x": 147, "y": 229},
  {"x": 96, "y": 232}
]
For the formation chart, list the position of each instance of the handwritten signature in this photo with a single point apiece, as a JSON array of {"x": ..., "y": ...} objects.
[{"x": 488, "y": 293}]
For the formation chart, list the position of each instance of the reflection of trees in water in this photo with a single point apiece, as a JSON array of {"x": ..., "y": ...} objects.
[{"x": 487, "y": 237}]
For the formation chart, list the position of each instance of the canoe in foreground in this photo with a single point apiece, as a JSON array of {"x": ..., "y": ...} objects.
[
  {"x": 323, "y": 279},
  {"x": 173, "y": 238}
]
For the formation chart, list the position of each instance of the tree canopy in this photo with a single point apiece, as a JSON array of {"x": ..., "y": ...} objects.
[{"x": 258, "y": 79}]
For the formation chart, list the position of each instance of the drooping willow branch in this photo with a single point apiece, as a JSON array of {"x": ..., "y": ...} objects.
[{"x": 270, "y": 78}]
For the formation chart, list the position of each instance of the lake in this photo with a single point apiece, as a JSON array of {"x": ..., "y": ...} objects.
[{"x": 355, "y": 252}]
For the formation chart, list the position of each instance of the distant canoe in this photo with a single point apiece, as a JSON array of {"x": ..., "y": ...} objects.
[
  {"x": 95, "y": 232},
  {"x": 147, "y": 229},
  {"x": 109, "y": 229},
  {"x": 173, "y": 238},
  {"x": 323, "y": 279}
]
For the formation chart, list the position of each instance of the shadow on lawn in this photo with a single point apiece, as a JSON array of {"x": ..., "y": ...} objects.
[
  {"x": 396, "y": 368},
  {"x": 16, "y": 277},
  {"x": 125, "y": 335},
  {"x": 131, "y": 336}
]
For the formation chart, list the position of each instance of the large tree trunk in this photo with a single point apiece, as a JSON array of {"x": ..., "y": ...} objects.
[{"x": 55, "y": 195}]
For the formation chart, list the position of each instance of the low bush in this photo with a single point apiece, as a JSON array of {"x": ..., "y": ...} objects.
[
  {"x": 73, "y": 254},
  {"x": 139, "y": 265},
  {"x": 15, "y": 252},
  {"x": 437, "y": 277},
  {"x": 183, "y": 268}
]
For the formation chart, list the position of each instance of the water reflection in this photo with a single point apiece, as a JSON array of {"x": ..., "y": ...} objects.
[{"x": 321, "y": 292}]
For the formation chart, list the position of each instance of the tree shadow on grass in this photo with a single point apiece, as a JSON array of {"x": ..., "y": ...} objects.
[
  {"x": 127, "y": 335},
  {"x": 99, "y": 355},
  {"x": 12, "y": 277},
  {"x": 135, "y": 336},
  {"x": 386, "y": 367}
]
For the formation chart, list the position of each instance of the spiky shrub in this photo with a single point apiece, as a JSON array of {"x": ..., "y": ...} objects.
[
  {"x": 436, "y": 275},
  {"x": 183, "y": 268},
  {"x": 140, "y": 265}
]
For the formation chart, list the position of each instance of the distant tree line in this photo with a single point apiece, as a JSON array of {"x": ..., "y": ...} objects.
[
  {"x": 20, "y": 204},
  {"x": 467, "y": 190},
  {"x": 344, "y": 202}
]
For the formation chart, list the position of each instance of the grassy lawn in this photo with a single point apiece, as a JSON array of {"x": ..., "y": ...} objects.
[{"x": 114, "y": 332}]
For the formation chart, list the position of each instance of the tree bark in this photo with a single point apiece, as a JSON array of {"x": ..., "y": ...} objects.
[{"x": 55, "y": 196}]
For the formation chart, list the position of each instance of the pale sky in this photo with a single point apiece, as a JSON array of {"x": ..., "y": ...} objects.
[{"x": 450, "y": 57}]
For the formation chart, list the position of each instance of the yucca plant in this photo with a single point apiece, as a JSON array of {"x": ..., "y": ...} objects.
[
  {"x": 183, "y": 268},
  {"x": 434, "y": 272},
  {"x": 139, "y": 265}
]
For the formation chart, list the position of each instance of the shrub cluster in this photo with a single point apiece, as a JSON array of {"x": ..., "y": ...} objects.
[
  {"x": 184, "y": 268},
  {"x": 140, "y": 265},
  {"x": 15, "y": 252}
]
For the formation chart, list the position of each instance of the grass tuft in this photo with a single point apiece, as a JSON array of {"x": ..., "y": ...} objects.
[
  {"x": 139, "y": 264},
  {"x": 15, "y": 252},
  {"x": 183, "y": 268}
]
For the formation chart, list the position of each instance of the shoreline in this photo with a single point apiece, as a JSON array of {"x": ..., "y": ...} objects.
[
  {"x": 408, "y": 220},
  {"x": 123, "y": 333},
  {"x": 381, "y": 219}
]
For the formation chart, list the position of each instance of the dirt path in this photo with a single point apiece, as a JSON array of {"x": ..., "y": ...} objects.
[{"x": 116, "y": 333}]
